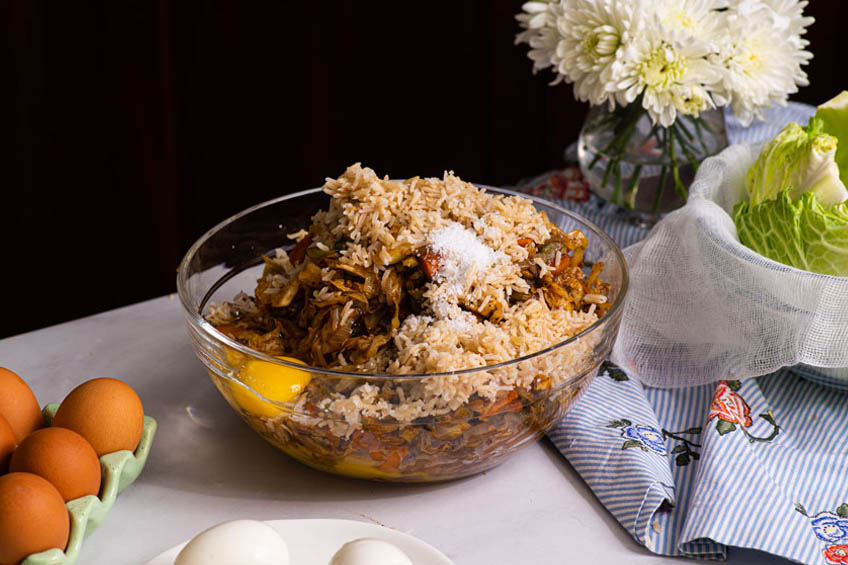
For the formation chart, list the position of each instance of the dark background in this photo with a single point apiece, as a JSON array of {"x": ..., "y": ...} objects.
[{"x": 132, "y": 127}]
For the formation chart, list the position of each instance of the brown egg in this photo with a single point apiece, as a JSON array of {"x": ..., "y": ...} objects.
[
  {"x": 33, "y": 517},
  {"x": 7, "y": 444},
  {"x": 106, "y": 412},
  {"x": 18, "y": 405},
  {"x": 61, "y": 456}
]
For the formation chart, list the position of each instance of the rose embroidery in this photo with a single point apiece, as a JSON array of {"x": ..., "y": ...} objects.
[
  {"x": 576, "y": 188},
  {"x": 836, "y": 553},
  {"x": 568, "y": 184},
  {"x": 729, "y": 406},
  {"x": 831, "y": 528},
  {"x": 730, "y": 412}
]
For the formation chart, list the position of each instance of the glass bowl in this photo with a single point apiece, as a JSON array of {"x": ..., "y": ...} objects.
[{"x": 474, "y": 436}]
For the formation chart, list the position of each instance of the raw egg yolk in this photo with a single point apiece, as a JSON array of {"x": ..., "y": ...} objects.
[{"x": 275, "y": 382}]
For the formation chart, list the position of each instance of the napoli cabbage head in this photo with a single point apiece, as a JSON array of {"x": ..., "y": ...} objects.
[
  {"x": 798, "y": 208},
  {"x": 800, "y": 159}
]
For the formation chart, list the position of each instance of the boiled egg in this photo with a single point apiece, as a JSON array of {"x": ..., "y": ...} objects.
[
  {"x": 276, "y": 383},
  {"x": 246, "y": 542},
  {"x": 370, "y": 551}
]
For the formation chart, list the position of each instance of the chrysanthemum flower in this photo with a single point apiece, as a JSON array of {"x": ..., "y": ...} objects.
[
  {"x": 669, "y": 70},
  {"x": 591, "y": 35},
  {"x": 761, "y": 56}
]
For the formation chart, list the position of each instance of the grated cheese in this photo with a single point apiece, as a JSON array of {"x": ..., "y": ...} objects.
[
  {"x": 461, "y": 256},
  {"x": 463, "y": 260}
]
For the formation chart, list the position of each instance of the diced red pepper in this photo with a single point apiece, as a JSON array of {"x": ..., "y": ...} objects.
[
  {"x": 297, "y": 253},
  {"x": 430, "y": 263},
  {"x": 564, "y": 263}
]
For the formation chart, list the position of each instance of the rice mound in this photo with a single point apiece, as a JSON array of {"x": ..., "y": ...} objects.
[{"x": 380, "y": 219}]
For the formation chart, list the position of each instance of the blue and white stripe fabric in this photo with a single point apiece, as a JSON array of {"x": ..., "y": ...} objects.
[
  {"x": 761, "y": 463},
  {"x": 786, "y": 496}
]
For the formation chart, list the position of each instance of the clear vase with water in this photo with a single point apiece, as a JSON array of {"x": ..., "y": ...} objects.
[{"x": 643, "y": 167}]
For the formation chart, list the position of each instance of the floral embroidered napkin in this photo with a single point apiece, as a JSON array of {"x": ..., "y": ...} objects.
[
  {"x": 761, "y": 463},
  {"x": 688, "y": 472}
]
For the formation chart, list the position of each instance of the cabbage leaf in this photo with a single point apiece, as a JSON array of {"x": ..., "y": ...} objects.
[
  {"x": 800, "y": 158},
  {"x": 834, "y": 117},
  {"x": 798, "y": 232}
]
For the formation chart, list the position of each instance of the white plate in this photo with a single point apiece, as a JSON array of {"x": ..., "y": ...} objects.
[{"x": 313, "y": 542}]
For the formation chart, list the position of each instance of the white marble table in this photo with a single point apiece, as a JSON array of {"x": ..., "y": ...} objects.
[{"x": 206, "y": 466}]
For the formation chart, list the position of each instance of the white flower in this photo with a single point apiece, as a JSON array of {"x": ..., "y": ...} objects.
[
  {"x": 539, "y": 22},
  {"x": 761, "y": 54},
  {"x": 679, "y": 56},
  {"x": 699, "y": 19},
  {"x": 583, "y": 40},
  {"x": 792, "y": 14},
  {"x": 669, "y": 70},
  {"x": 594, "y": 34}
]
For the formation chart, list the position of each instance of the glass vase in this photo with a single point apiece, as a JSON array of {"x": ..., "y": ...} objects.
[{"x": 643, "y": 167}]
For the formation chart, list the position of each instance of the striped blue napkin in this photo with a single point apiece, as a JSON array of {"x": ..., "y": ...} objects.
[{"x": 760, "y": 464}]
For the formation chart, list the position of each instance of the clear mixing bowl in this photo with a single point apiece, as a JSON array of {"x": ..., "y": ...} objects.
[{"x": 473, "y": 437}]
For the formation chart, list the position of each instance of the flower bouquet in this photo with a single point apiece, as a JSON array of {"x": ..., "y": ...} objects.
[{"x": 657, "y": 74}]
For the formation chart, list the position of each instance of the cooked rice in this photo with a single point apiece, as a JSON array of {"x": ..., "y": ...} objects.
[{"x": 382, "y": 219}]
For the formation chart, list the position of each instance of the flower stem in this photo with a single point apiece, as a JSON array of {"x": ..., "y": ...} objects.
[
  {"x": 673, "y": 435},
  {"x": 616, "y": 196},
  {"x": 775, "y": 429},
  {"x": 617, "y": 148},
  {"x": 679, "y": 123},
  {"x": 633, "y": 187},
  {"x": 686, "y": 149},
  {"x": 655, "y": 208},
  {"x": 675, "y": 170}
]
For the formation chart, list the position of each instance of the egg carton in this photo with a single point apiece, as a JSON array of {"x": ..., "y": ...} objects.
[{"x": 117, "y": 470}]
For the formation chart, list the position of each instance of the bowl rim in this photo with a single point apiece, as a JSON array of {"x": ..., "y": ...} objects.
[{"x": 198, "y": 320}]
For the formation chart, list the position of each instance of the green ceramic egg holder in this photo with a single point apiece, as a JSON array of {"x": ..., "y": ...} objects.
[{"x": 117, "y": 470}]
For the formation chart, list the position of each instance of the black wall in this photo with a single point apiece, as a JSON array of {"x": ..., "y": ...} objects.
[{"x": 132, "y": 127}]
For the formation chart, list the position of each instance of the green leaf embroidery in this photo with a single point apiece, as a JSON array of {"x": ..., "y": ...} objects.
[
  {"x": 619, "y": 423},
  {"x": 616, "y": 374},
  {"x": 800, "y": 509},
  {"x": 724, "y": 427},
  {"x": 632, "y": 443},
  {"x": 684, "y": 449},
  {"x": 733, "y": 385},
  {"x": 842, "y": 510}
]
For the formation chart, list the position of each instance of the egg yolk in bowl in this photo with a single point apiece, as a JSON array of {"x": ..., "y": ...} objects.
[{"x": 276, "y": 383}]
